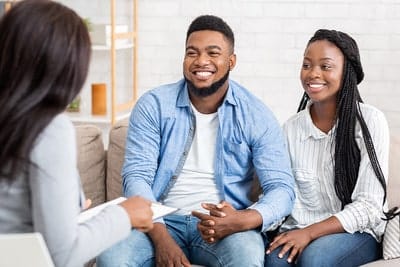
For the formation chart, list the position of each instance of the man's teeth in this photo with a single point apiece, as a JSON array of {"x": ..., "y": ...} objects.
[{"x": 203, "y": 73}]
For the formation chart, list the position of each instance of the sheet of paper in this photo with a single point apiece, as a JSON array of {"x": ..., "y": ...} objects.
[{"x": 158, "y": 209}]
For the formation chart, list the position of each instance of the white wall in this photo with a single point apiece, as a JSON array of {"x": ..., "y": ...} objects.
[{"x": 270, "y": 39}]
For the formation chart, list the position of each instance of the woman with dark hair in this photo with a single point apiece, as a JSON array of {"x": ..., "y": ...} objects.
[
  {"x": 339, "y": 150},
  {"x": 44, "y": 58}
]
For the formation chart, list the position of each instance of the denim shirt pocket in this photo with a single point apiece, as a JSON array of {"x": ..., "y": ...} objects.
[
  {"x": 237, "y": 158},
  {"x": 307, "y": 188}
]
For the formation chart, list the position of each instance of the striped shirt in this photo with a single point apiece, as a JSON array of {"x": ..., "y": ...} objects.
[{"x": 312, "y": 158}]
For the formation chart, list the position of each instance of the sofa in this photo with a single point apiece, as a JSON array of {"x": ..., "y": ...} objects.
[{"x": 101, "y": 179}]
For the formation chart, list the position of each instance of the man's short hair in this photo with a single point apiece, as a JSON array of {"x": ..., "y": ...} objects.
[{"x": 211, "y": 23}]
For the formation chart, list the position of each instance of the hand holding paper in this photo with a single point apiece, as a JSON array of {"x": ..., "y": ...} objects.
[
  {"x": 140, "y": 213},
  {"x": 158, "y": 209}
]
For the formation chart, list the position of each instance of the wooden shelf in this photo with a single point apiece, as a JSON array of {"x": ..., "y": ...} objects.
[
  {"x": 108, "y": 48},
  {"x": 118, "y": 41},
  {"x": 78, "y": 117},
  {"x": 117, "y": 108},
  {"x": 6, "y": 5}
]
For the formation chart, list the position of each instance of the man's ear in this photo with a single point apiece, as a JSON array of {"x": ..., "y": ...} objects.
[{"x": 232, "y": 61}]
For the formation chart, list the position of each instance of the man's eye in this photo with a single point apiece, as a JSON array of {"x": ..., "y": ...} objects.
[
  {"x": 306, "y": 66},
  {"x": 190, "y": 54},
  {"x": 326, "y": 67}
]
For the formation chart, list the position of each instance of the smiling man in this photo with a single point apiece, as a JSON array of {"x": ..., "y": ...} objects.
[{"x": 197, "y": 145}]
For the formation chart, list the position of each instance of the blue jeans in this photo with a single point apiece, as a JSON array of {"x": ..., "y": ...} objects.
[
  {"x": 237, "y": 250},
  {"x": 342, "y": 249}
]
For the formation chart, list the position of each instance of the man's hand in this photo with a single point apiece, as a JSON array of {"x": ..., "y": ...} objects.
[
  {"x": 294, "y": 241},
  {"x": 219, "y": 223},
  {"x": 167, "y": 252}
]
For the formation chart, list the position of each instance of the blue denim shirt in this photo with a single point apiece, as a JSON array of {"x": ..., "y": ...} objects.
[{"x": 249, "y": 141}]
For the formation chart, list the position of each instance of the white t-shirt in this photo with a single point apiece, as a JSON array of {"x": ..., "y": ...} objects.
[{"x": 196, "y": 182}]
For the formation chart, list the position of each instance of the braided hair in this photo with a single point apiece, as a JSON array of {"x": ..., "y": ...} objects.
[{"x": 347, "y": 154}]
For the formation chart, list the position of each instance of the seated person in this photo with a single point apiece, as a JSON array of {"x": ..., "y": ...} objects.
[
  {"x": 45, "y": 53},
  {"x": 339, "y": 149},
  {"x": 201, "y": 140}
]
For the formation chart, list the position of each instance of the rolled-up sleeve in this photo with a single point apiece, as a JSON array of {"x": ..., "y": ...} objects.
[
  {"x": 142, "y": 150},
  {"x": 365, "y": 211},
  {"x": 272, "y": 163}
]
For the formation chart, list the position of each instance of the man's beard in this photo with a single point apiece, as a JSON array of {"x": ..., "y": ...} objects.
[{"x": 207, "y": 91}]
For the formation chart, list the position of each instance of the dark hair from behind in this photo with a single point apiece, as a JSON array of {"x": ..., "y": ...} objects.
[
  {"x": 44, "y": 58},
  {"x": 347, "y": 153},
  {"x": 211, "y": 23}
]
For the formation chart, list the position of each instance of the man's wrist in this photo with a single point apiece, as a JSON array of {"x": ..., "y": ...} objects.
[
  {"x": 159, "y": 232},
  {"x": 250, "y": 219}
]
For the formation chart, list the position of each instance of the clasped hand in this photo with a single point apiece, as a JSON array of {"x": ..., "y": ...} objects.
[{"x": 219, "y": 223}]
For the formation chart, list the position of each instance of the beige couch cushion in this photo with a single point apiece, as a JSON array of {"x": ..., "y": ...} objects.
[
  {"x": 91, "y": 162},
  {"x": 394, "y": 172},
  {"x": 115, "y": 158},
  {"x": 383, "y": 263}
]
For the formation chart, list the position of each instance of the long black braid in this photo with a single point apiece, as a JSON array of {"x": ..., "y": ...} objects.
[{"x": 347, "y": 153}]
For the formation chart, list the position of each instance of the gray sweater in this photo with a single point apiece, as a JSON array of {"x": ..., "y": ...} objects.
[{"x": 50, "y": 201}]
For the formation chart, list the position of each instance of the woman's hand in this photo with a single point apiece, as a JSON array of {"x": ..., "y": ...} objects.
[
  {"x": 294, "y": 241},
  {"x": 87, "y": 204},
  {"x": 140, "y": 213}
]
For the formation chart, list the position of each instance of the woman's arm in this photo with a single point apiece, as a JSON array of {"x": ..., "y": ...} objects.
[
  {"x": 364, "y": 213},
  {"x": 56, "y": 201},
  {"x": 296, "y": 241}
]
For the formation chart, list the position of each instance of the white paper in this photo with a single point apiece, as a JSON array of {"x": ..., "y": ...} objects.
[{"x": 158, "y": 209}]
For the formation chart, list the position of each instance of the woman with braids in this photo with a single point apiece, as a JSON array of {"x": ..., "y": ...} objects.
[
  {"x": 44, "y": 58},
  {"x": 339, "y": 150}
]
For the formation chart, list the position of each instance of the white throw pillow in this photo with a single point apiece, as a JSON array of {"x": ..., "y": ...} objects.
[{"x": 391, "y": 238}]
